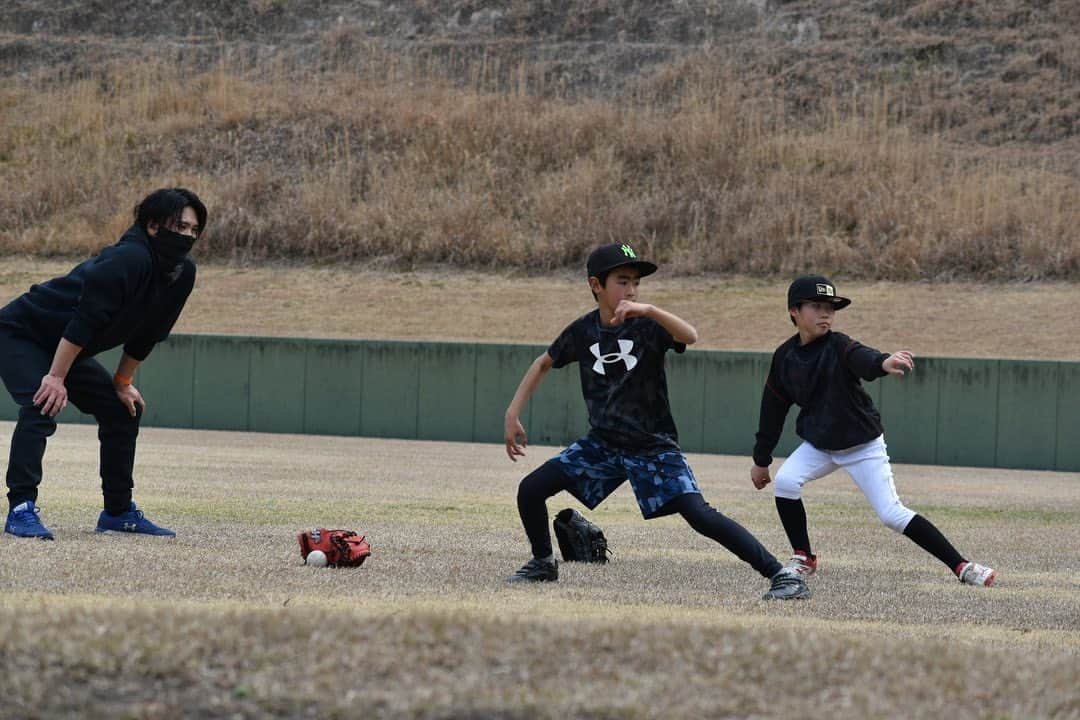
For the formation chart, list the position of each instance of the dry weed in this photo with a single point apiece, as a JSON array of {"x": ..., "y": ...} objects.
[{"x": 400, "y": 167}]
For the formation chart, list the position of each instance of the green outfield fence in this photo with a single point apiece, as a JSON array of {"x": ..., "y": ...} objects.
[{"x": 951, "y": 411}]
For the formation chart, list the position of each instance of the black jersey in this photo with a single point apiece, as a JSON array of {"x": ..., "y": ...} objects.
[
  {"x": 823, "y": 379},
  {"x": 623, "y": 380}
]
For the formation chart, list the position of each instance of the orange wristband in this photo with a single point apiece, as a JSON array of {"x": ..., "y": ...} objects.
[{"x": 119, "y": 379}]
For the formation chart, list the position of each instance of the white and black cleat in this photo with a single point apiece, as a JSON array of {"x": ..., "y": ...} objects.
[{"x": 787, "y": 585}]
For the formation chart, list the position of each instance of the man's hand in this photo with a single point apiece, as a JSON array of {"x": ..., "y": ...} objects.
[
  {"x": 759, "y": 476},
  {"x": 130, "y": 396},
  {"x": 629, "y": 309},
  {"x": 514, "y": 436},
  {"x": 51, "y": 396},
  {"x": 899, "y": 362}
]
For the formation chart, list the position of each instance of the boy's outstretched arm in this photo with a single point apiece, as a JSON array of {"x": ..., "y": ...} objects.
[
  {"x": 899, "y": 362},
  {"x": 680, "y": 330},
  {"x": 513, "y": 431},
  {"x": 870, "y": 364}
]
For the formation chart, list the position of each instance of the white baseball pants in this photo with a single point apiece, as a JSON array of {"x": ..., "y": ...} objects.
[{"x": 868, "y": 465}]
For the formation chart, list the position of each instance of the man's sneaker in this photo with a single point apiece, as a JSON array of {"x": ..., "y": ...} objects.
[
  {"x": 976, "y": 574},
  {"x": 787, "y": 585},
  {"x": 537, "y": 570},
  {"x": 133, "y": 521},
  {"x": 803, "y": 564},
  {"x": 23, "y": 521}
]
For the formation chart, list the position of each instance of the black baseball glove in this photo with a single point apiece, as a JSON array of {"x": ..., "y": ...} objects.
[{"x": 579, "y": 539}]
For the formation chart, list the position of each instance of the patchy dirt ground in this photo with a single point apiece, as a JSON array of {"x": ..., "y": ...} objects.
[{"x": 1032, "y": 320}]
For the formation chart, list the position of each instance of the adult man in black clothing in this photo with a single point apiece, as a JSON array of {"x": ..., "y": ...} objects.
[{"x": 131, "y": 294}]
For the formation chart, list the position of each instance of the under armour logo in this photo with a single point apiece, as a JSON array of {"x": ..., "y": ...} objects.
[
  {"x": 625, "y": 346},
  {"x": 130, "y": 527},
  {"x": 628, "y": 251}
]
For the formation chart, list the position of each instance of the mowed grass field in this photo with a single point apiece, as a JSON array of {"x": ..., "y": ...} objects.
[{"x": 224, "y": 621}]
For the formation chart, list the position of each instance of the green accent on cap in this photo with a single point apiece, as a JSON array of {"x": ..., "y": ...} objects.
[{"x": 628, "y": 251}]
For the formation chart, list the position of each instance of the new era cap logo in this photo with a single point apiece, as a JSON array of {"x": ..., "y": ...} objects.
[{"x": 823, "y": 289}]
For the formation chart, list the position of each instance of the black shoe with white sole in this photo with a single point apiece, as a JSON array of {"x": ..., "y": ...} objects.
[
  {"x": 537, "y": 570},
  {"x": 787, "y": 585}
]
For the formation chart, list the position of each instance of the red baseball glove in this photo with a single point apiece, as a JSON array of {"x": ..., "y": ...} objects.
[{"x": 343, "y": 548}]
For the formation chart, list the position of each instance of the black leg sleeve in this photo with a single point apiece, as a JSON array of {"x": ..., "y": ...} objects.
[
  {"x": 713, "y": 524},
  {"x": 924, "y": 534},
  {"x": 533, "y": 492},
  {"x": 793, "y": 518}
]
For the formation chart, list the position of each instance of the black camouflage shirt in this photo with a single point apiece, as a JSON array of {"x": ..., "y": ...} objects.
[{"x": 622, "y": 380}]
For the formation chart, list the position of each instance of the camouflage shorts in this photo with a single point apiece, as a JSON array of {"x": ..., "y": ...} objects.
[{"x": 599, "y": 469}]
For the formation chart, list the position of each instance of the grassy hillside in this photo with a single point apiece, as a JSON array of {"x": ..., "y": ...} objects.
[{"x": 901, "y": 140}]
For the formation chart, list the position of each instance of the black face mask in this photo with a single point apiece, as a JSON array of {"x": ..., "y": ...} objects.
[{"x": 172, "y": 248}]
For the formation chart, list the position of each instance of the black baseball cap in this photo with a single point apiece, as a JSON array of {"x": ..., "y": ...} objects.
[
  {"x": 815, "y": 288},
  {"x": 606, "y": 258}
]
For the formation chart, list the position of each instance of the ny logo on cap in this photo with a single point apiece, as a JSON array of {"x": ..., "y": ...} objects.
[
  {"x": 823, "y": 289},
  {"x": 628, "y": 251},
  {"x": 625, "y": 346}
]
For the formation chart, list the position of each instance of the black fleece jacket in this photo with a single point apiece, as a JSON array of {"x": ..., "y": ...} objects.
[
  {"x": 119, "y": 297},
  {"x": 821, "y": 377}
]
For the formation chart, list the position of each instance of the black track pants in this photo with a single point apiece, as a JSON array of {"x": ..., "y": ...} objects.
[{"x": 90, "y": 388}]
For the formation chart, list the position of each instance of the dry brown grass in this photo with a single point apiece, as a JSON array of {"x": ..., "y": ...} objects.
[
  {"x": 957, "y": 319},
  {"x": 224, "y": 620},
  {"x": 393, "y": 165}
]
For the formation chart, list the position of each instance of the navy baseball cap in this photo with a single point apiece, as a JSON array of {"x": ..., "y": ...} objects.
[
  {"x": 815, "y": 288},
  {"x": 608, "y": 257}
]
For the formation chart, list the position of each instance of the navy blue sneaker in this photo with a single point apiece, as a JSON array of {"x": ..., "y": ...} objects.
[
  {"x": 133, "y": 521},
  {"x": 23, "y": 521}
]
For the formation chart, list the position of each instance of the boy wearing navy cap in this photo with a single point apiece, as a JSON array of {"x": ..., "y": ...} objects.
[
  {"x": 620, "y": 349},
  {"x": 820, "y": 371}
]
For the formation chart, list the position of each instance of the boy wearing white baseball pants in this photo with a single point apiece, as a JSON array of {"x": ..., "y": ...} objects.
[{"x": 820, "y": 371}]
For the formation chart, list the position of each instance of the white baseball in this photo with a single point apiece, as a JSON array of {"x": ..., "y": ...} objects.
[{"x": 316, "y": 558}]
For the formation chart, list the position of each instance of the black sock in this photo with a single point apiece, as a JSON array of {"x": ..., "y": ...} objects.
[
  {"x": 930, "y": 539},
  {"x": 793, "y": 518}
]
